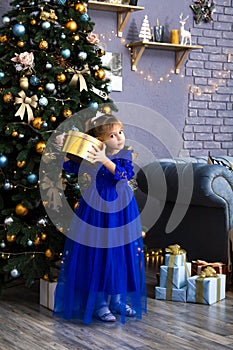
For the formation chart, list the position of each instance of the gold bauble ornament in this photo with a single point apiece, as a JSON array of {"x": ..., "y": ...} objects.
[
  {"x": 43, "y": 236},
  {"x": 100, "y": 52},
  {"x": 21, "y": 164},
  {"x": 33, "y": 21},
  {"x": 72, "y": 25},
  {"x": 40, "y": 147},
  {"x": 21, "y": 210},
  {"x": 37, "y": 123},
  {"x": 8, "y": 97},
  {"x": 107, "y": 110},
  {"x": 61, "y": 78},
  {"x": 14, "y": 133},
  {"x": 46, "y": 277},
  {"x": 3, "y": 38},
  {"x": 45, "y": 203},
  {"x": 48, "y": 253},
  {"x": 53, "y": 119},
  {"x": 40, "y": 88},
  {"x": 20, "y": 43},
  {"x": 11, "y": 238},
  {"x": 67, "y": 113},
  {"x": 24, "y": 83},
  {"x": 81, "y": 8},
  {"x": 76, "y": 37},
  {"x": 100, "y": 74},
  {"x": 43, "y": 45},
  {"x": 76, "y": 205}
]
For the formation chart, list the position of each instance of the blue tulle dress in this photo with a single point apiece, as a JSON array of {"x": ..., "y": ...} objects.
[{"x": 104, "y": 251}]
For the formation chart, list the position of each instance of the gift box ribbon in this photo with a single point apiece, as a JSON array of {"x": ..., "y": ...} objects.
[{"x": 202, "y": 263}]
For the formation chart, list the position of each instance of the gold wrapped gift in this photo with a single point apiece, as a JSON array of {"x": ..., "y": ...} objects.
[{"x": 79, "y": 143}]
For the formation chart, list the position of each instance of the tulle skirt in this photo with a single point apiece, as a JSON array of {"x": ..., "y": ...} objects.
[{"x": 103, "y": 255}]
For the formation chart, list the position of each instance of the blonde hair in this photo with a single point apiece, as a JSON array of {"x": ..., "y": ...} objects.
[{"x": 100, "y": 126}]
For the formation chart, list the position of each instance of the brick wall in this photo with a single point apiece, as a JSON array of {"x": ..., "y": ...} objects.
[{"x": 209, "y": 122}]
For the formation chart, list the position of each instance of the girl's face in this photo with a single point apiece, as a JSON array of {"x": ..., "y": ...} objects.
[{"x": 115, "y": 139}]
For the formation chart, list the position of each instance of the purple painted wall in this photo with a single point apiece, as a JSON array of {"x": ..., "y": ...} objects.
[{"x": 198, "y": 101}]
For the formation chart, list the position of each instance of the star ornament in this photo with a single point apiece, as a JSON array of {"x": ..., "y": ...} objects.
[{"x": 203, "y": 10}]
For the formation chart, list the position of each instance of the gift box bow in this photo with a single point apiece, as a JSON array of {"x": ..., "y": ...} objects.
[
  {"x": 174, "y": 249},
  {"x": 201, "y": 263},
  {"x": 209, "y": 271}
]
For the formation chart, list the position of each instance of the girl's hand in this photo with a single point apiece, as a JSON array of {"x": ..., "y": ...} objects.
[{"x": 98, "y": 155}]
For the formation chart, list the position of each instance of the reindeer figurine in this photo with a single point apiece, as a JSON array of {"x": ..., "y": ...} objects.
[{"x": 185, "y": 35}]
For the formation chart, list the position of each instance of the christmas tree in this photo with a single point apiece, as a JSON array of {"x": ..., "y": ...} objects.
[
  {"x": 145, "y": 31},
  {"x": 50, "y": 69}
]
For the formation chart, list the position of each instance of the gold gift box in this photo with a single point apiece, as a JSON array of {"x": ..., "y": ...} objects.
[{"x": 79, "y": 143}]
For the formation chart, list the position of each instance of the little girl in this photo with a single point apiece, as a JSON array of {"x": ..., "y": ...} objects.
[{"x": 104, "y": 277}]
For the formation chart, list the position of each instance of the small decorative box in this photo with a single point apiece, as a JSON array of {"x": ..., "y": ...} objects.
[
  {"x": 47, "y": 291},
  {"x": 174, "y": 277},
  {"x": 206, "y": 290},
  {"x": 174, "y": 295},
  {"x": 199, "y": 265},
  {"x": 175, "y": 256}
]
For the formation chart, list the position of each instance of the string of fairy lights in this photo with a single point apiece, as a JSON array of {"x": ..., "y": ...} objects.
[{"x": 156, "y": 79}]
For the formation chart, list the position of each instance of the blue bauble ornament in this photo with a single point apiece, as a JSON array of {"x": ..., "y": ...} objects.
[
  {"x": 85, "y": 17},
  {"x": 77, "y": 187},
  {"x": 61, "y": 2},
  {"x": 66, "y": 53},
  {"x": 29, "y": 243},
  {"x": 34, "y": 80},
  {"x": 45, "y": 124},
  {"x": 2, "y": 75},
  {"x": 108, "y": 88},
  {"x": 15, "y": 273},
  {"x": 6, "y": 20},
  {"x": 93, "y": 106},
  {"x": 46, "y": 25},
  {"x": 32, "y": 178},
  {"x": 82, "y": 55},
  {"x": 63, "y": 36},
  {"x": 7, "y": 186},
  {"x": 43, "y": 101},
  {"x": 3, "y": 161},
  {"x": 19, "y": 29}
]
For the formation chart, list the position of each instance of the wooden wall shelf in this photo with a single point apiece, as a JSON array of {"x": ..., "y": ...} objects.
[
  {"x": 123, "y": 12},
  {"x": 139, "y": 47}
]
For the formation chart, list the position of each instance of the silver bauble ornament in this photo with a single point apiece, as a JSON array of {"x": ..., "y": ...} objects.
[
  {"x": 15, "y": 273},
  {"x": 8, "y": 221}
]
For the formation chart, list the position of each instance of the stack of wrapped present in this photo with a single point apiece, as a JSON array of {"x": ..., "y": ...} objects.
[{"x": 174, "y": 275}]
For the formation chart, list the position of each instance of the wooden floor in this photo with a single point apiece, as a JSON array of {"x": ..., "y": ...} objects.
[{"x": 26, "y": 325}]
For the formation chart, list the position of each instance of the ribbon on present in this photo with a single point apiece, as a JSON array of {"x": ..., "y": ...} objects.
[
  {"x": 53, "y": 192},
  {"x": 26, "y": 105},
  {"x": 208, "y": 272},
  {"x": 78, "y": 76},
  {"x": 202, "y": 263}
]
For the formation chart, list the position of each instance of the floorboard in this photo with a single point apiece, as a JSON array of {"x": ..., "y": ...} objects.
[{"x": 25, "y": 325}]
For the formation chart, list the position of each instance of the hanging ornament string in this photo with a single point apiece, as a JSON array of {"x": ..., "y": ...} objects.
[
  {"x": 26, "y": 104},
  {"x": 78, "y": 76}
]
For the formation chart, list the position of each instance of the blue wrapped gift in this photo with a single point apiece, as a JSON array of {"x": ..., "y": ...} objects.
[
  {"x": 174, "y": 295},
  {"x": 206, "y": 290},
  {"x": 175, "y": 260},
  {"x": 174, "y": 277}
]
